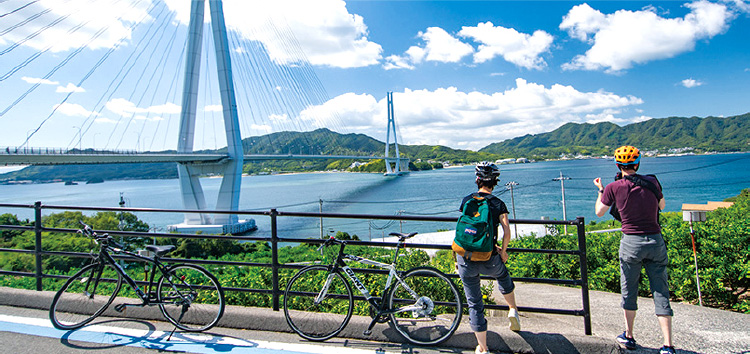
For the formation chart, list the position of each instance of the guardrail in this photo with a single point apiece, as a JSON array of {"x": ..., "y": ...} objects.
[{"x": 274, "y": 240}]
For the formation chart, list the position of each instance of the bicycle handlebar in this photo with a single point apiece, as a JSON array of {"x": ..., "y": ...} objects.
[{"x": 104, "y": 239}]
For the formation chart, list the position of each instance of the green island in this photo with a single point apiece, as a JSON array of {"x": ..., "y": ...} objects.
[
  {"x": 655, "y": 136},
  {"x": 723, "y": 245}
]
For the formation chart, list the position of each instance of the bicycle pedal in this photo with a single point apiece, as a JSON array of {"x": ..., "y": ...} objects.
[
  {"x": 120, "y": 307},
  {"x": 367, "y": 332}
]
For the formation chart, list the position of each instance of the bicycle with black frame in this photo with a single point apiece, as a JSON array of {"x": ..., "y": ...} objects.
[
  {"x": 189, "y": 296},
  {"x": 422, "y": 303}
]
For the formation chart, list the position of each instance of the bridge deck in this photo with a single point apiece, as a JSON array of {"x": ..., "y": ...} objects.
[{"x": 57, "y": 158}]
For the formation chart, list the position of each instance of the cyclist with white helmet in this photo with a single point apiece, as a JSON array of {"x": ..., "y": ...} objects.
[
  {"x": 470, "y": 271},
  {"x": 638, "y": 199}
]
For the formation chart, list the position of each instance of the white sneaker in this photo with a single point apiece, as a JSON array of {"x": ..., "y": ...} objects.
[
  {"x": 479, "y": 351},
  {"x": 515, "y": 321}
]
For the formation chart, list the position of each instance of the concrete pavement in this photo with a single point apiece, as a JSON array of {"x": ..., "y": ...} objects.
[{"x": 696, "y": 329}]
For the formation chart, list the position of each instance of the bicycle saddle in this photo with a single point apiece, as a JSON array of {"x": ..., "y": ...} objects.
[
  {"x": 160, "y": 250},
  {"x": 402, "y": 236}
]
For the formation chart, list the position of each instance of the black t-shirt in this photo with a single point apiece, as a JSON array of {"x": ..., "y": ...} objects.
[{"x": 497, "y": 208}]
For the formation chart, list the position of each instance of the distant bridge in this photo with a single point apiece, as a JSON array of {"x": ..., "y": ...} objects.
[{"x": 42, "y": 156}]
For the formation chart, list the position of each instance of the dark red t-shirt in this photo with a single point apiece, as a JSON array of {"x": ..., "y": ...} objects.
[{"x": 638, "y": 206}]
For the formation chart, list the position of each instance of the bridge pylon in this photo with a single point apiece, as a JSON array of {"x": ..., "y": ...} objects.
[
  {"x": 231, "y": 169},
  {"x": 394, "y": 166}
]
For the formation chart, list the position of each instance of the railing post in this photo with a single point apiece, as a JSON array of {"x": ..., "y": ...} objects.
[
  {"x": 581, "y": 226},
  {"x": 274, "y": 261},
  {"x": 38, "y": 243}
]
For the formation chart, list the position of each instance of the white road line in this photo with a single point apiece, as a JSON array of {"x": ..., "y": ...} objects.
[{"x": 180, "y": 341}]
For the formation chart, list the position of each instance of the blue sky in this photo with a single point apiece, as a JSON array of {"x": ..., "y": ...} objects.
[{"x": 464, "y": 73}]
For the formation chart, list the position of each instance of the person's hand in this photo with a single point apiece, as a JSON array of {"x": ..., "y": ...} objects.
[
  {"x": 503, "y": 254},
  {"x": 598, "y": 183}
]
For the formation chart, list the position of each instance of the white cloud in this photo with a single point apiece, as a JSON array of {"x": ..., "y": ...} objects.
[
  {"x": 518, "y": 48},
  {"x": 624, "y": 38},
  {"x": 472, "y": 120},
  {"x": 278, "y": 118},
  {"x": 122, "y": 106},
  {"x": 114, "y": 17},
  {"x": 73, "y": 110},
  {"x": 148, "y": 118},
  {"x": 439, "y": 46},
  {"x": 34, "y": 80},
  {"x": 105, "y": 120},
  {"x": 70, "y": 88},
  {"x": 690, "y": 83},
  {"x": 327, "y": 34}
]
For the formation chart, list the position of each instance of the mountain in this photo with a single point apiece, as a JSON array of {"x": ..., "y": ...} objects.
[
  {"x": 701, "y": 134},
  {"x": 321, "y": 141}
]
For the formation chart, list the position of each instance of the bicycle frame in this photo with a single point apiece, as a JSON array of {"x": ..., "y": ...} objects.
[
  {"x": 148, "y": 298},
  {"x": 340, "y": 263}
]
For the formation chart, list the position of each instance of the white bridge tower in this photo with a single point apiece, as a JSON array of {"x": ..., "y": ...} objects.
[
  {"x": 192, "y": 192},
  {"x": 400, "y": 166}
]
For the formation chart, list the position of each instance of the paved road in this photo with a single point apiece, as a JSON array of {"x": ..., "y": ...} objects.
[
  {"x": 254, "y": 330},
  {"x": 25, "y": 330}
]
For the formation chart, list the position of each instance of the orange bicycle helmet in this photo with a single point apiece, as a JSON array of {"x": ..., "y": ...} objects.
[{"x": 627, "y": 155}]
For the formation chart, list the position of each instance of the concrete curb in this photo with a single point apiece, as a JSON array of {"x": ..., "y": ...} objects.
[{"x": 500, "y": 338}]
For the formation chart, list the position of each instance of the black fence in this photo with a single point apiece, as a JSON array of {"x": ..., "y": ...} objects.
[{"x": 274, "y": 240}]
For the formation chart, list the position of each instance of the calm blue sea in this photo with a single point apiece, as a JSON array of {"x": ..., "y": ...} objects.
[{"x": 686, "y": 179}]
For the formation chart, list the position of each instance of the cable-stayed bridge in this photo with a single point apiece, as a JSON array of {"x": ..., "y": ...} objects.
[{"x": 270, "y": 94}]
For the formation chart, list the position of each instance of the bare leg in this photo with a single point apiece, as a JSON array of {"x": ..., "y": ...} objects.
[
  {"x": 629, "y": 321},
  {"x": 482, "y": 340},
  {"x": 665, "y": 322},
  {"x": 510, "y": 299}
]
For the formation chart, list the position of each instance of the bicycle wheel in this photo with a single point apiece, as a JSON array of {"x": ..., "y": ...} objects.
[
  {"x": 314, "y": 318},
  {"x": 85, "y": 296},
  {"x": 430, "y": 312},
  {"x": 190, "y": 297}
]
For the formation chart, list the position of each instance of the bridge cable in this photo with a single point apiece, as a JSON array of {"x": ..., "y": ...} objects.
[
  {"x": 80, "y": 83},
  {"x": 18, "y": 9},
  {"x": 139, "y": 80},
  {"x": 56, "y": 68},
  {"x": 25, "y": 21},
  {"x": 97, "y": 111}
]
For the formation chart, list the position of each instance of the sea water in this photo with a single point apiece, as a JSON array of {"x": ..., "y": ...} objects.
[{"x": 685, "y": 179}]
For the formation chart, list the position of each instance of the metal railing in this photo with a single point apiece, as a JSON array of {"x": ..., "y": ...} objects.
[{"x": 274, "y": 240}]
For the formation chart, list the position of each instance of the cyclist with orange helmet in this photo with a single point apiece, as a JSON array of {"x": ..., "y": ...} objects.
[{"x": 638, "y": 199}]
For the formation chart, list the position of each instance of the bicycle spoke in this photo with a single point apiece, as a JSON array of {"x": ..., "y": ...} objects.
[
  {"x": 190, "y": 297},
  {"x": 314, "y": 313},
  {"x": 84, "y": 296},
  {"x": 436, "y": 313}
]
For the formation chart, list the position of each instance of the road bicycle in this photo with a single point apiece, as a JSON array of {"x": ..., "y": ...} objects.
[
  {"x": 189, "y": 296},
  {"x": 421, "y": 304}
]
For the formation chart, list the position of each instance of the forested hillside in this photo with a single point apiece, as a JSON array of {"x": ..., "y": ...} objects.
[{"x": 702, "y": 134}]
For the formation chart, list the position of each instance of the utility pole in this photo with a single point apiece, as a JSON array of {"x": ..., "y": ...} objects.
[
  {"x": 401, "y": 222},
  {"x": 510, "y": 185},
  {"x": 562, "y": 187},
  {"x": 321, "y": 218}
]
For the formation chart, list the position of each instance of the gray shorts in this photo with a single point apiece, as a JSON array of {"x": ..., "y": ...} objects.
[
  {"x": 649, "y": 252},
  {"x": 469, "y": 271}
]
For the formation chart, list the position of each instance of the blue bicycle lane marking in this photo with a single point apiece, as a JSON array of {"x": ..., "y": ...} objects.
[{"x": 157, "y": 340}]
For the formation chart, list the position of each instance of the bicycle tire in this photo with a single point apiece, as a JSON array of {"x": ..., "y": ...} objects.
[
  {"x": 84, "y": 296},
  {"x": 323, "y": 320},
  {"x": 439, "y": 306},
  {"x": 190, "y": 297}
]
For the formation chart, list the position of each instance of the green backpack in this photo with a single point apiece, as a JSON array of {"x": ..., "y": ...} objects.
[{"x": 475, "y": 237}]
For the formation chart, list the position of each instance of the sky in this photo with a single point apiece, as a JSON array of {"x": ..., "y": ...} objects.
[{"x": 464, "y": 74}]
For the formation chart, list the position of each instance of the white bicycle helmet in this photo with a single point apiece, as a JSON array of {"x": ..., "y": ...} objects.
[{"x": 486, "y": 171}]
